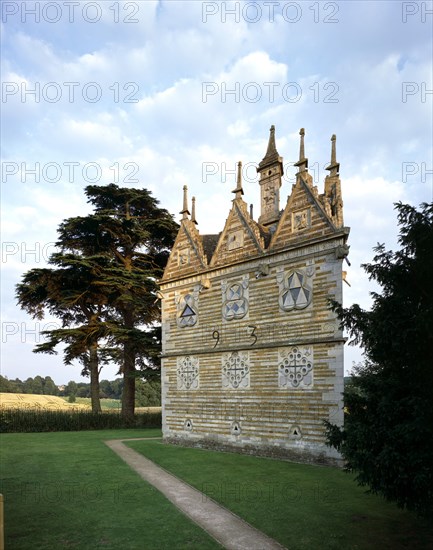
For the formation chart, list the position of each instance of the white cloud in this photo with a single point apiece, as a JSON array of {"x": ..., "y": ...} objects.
[
  {"x": 174, "y": 129},
  {"x": 238, "y": 128}
]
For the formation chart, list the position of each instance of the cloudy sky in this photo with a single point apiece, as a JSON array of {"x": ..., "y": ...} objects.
[{"x": 165, "y": 93}]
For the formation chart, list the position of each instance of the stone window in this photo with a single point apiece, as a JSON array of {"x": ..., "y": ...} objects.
[
  {"x": 188, "y": 425},
  {"x": 296, "y": 290},
  {"x": 235, "y": 428},
  {"x": 187, "y": 373},
  {"x": 295, "y": 432},
  {"x": 235, "y": 370},
  {"x": 187, "y": 308},
  {"x": 235, "y": 299},
  {"x": 295, "y": 367}
]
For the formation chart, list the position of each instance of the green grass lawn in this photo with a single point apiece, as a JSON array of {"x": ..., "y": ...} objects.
[
  {"x": 69, "y": 490},
  {"x": 301, "y": 506}
]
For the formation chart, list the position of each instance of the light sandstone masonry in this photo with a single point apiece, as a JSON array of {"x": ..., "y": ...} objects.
[{"x": 252, "y": 354}]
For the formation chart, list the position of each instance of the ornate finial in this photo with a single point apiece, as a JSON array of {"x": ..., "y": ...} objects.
[
  {"x": 185, "y": 211},
  {"x": 193, "y": 211},
  {"x": 333, "y": 152},
  {"x": 272, "y": 156},
  {"x": 272, "y": 148},
  {"x": 334, "y": 167},
  {"x": 239, "y": 191},
  {"x": 303, "y": 161},
  {"x": 301, "y": 148}
]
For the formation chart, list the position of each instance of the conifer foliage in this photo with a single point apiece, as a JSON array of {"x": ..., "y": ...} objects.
[
  {"x": 103, "y": 286},
  {"x": 387, "y": 439}
]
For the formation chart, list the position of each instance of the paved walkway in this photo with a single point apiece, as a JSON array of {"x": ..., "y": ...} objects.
[{"x": 228, "y": 529}]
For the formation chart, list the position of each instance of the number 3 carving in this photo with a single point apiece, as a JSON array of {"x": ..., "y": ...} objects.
[{"x": 253, "y": 333}]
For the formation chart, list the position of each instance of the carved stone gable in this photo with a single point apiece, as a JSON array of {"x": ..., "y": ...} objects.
[
  {"x": 240, "y": 238},
  {"x": 304, "y": 217},
  {"x": 187, "y": 255}
]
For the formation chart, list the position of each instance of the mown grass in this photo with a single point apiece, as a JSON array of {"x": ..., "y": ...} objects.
[
  {"x": 69, "y": 490},
  {"x": 304, "y": 507}
]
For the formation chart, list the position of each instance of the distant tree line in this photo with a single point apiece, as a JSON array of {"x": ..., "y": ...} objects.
[
  {"x": 36, "y": 385},
  {"x": 147, "y": 393}
]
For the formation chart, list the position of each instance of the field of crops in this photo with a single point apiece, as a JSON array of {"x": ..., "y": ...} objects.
[
  {"x": 112, "y": 405},
  {"x": 21, "y": 412},
  {"x": 29, "y": 401}
]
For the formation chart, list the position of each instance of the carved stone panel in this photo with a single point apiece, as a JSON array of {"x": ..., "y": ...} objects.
[
  {"x": 187, "y": 373},
  {"x": 296, "y": 290},
  {"x": 235, "y": 239},
  {"x": 183, "y": 257},
  {"x": 187, "y": 309},
  {"x": 301, "y": 219},
  {"x": 235, "y": 370},
  {"x": 270, "y": 197},
  {"x": 235, "y": 299},
  {"x": 295, "y": 367}
]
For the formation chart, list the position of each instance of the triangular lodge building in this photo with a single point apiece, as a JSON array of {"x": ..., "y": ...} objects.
[{"x": 252, "y": 355}]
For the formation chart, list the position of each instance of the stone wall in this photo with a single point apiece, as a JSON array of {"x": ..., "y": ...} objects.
[
  {"x": 252, "y": 355},
  {"x": 264, "y": 380}
]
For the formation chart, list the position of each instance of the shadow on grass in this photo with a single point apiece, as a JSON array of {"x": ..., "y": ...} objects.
[{"x": 301, "y": 506}]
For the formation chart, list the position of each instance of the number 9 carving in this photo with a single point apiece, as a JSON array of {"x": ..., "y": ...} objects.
[{"x": 216, "y": 337}]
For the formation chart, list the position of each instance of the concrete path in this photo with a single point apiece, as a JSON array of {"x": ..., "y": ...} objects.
[{"x": 228, "y": 529}]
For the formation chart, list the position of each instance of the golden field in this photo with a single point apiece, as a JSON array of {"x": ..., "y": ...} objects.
[
  {"x": 31, "y": 401},
  {"x": 148, "y": 409}
]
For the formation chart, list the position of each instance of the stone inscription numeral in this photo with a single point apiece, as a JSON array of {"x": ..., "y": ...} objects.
[
  {"x": 216, "y": 337},
  {"x": 253, "y": 333}
]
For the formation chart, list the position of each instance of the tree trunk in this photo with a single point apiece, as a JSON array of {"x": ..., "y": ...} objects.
[
  {"x": 94, "y": 378},
  {"x": 128, "y": 393}
]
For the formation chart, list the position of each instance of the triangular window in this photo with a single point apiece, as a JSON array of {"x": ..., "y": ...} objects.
[{"x": 187, "y": 312}]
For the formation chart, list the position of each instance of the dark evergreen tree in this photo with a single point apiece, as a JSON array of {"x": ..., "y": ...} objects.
[
  {"x": 133, "y": 236},
  {"x": 387, "y": 439},
  {"x": 70, "y": 292},
  {"x": 148, "y": 393},
  {"x": 103, "y": 286}
]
